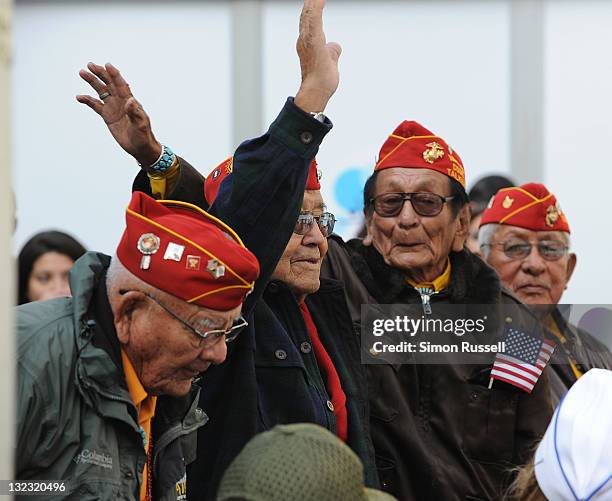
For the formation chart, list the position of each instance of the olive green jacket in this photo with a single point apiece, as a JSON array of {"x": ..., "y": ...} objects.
[{"x": 75, "y": 419}]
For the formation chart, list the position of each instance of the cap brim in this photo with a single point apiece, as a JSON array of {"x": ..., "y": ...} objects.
[{"x": 376, "y": 495}]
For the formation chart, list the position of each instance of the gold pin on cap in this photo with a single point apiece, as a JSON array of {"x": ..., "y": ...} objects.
[
  {"x": 552, "y": 215},
  {"x": 433, "y": 153}
]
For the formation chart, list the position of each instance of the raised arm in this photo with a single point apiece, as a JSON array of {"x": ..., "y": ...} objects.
[{"x": 262, "y": 198}]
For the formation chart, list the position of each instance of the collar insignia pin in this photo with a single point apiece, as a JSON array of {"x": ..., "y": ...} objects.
[
  {"x": 193, "y": 262},
  {"x": 552, "y": 215},
  {"x": 507, "y": 203},
  {"x": 174, "y": 252},
  {"x": 215, "y": 268},
  {"x": 433, "y": 153},
  {"x": 148, "y": 244}
]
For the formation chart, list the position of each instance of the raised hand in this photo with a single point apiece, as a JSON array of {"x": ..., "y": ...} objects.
[
  {"x": 122, "y": 113},
  {"x": 318, "y": 59}
]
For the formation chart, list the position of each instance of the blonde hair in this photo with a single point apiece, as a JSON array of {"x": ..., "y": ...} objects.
[{"x": 525, "y": 486}]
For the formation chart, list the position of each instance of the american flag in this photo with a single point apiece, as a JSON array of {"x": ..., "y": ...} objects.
[{"x": 523, "y": 360}]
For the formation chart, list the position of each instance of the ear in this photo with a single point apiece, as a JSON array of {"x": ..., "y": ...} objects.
[
  {"x": 123, "y": 309},
  {"x": 367, "y": 240},
  {"x": 462, "y": 228},
  {"x": 571, "y": 265}
]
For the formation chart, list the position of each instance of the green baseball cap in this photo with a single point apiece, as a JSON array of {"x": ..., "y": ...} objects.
[{"x": 300, "y": 462}]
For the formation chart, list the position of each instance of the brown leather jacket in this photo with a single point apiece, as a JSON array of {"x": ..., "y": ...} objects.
[{"x": 439, "y": 433}]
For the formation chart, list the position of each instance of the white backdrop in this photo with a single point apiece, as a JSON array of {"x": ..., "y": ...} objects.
[
  {"x": 69, "y": 173},
  {"x": 443, "y": 63},
  {"x": 579, "y": 134}
]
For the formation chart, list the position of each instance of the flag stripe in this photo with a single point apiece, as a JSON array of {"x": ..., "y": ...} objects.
[
  {"x": 507, "y": 378},
  {"x": 512, "y": 370},
  {"x": 521, "y": 366}
]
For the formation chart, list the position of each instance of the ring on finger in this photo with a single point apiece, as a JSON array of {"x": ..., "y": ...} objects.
[{"x": 104, "y": 95}]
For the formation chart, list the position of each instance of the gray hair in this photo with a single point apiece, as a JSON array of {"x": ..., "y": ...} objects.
[
  {"x": 118, "y": 277},
  {"x": 488, "y": 231},
  {"x": 485, "y": 235}
]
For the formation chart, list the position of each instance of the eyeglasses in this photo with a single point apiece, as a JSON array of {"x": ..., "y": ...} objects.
[
  {"x": 424, "y": 203},
  {"x": 551, "y": 250},
  {"x": 325, "y": 221},
  {"x": 208, "y": 338}
]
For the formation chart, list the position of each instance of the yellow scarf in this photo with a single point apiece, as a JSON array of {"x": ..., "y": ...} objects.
[
  {"x": 438, "y": 284},
  {"x": 145, "y": 405}
]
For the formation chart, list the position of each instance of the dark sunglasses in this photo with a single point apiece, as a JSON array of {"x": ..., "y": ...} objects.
[
  {"x": 551, "y": 250},
  {"x": 306, "y": 220},
  {"x": 424, "y": 203}
]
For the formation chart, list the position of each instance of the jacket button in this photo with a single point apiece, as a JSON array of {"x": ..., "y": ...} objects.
[
  {"x": 475, "y": 395},
  {"x": 306, "y": 137},
  {"x": 128, "y": 474},
  {"x": 199, "y": 413},
  {"x": 280, "y": 354},
  {"x": 305, "y": 347},
  {"x": 330, "y": 406},
  {"x": 508, "y": 320}
]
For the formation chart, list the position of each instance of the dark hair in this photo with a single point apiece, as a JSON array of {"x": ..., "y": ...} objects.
[
  {"x": 456, "y": 190},
  {"x": 485, "y": 188},
  {"x": 39, "y": 244}
]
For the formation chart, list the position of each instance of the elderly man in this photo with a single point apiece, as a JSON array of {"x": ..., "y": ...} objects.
[
  {"x": 525, "y": 236},
  {"x": 302, "y": 362},
  {"x": 439, "y": 431},
  {"x": 105, "y": 397}
]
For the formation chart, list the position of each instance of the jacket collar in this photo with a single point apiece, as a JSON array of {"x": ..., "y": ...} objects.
[
  {"x": 99, "y": 371},
  {"x": 472, "y": 281}
]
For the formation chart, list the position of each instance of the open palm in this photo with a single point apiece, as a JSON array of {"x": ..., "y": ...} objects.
[{"x": 121, "y": 112}]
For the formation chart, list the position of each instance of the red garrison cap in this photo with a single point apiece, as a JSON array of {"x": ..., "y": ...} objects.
[
  {"x": 314, "y": 174},
  {"x": 529, "y": 206},
  {"x": 221, "y": 171},
  {"x": 412, "y": 145},
  {"x": 212, "y": 183},
  {"x": 180, "y": 249}
]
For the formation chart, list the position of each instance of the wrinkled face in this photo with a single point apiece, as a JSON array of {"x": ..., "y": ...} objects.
[
  {"x": 49, "y": 277},
  {"x": 300, "y": 264},
  {"x": 533, "y": 279},
  {"x": 418, "y": 245},
  {"x": 166, "y": 354}
]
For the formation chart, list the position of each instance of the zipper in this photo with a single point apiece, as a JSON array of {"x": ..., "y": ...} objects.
[{"x": 426, "y": 293}]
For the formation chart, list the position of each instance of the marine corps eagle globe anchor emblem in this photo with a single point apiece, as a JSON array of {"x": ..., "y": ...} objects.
[{"x": 433, "y": 153}]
